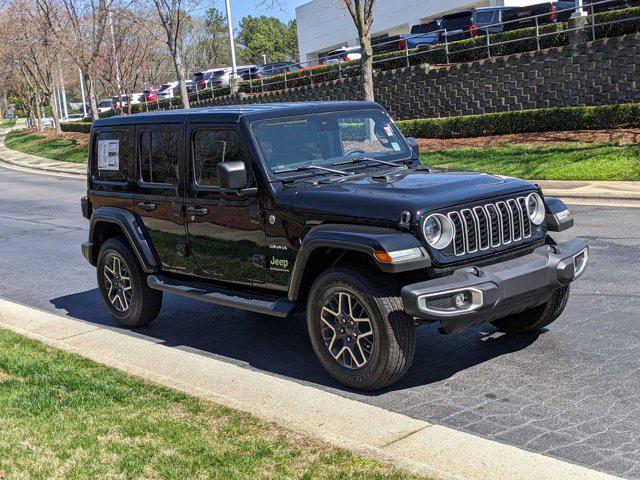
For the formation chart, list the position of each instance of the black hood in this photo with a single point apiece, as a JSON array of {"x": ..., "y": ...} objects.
[{"x": 386, "y": 196}]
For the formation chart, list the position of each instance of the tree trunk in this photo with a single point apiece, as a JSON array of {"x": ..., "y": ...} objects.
[
  {"x": 93, "y": 101},
  {"x": 39, "y": 111},
  {"x": 180, "y": 72},
  {"x": 54, "y": 111},
  {"x": 366, "y": 74}
]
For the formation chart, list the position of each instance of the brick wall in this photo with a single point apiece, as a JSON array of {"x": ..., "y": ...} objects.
[{"x": 598, "y": 73}]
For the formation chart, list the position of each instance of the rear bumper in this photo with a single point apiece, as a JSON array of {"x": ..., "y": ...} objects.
[{"x": 498, "y": 290}]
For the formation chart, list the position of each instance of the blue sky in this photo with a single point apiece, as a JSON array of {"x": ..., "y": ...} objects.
[{"x": 242, "y": 8}]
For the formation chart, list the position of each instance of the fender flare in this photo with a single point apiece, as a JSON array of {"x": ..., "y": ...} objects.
[
  {"x": 357, "y": 238},
  {"x": 133, "y": 230}
]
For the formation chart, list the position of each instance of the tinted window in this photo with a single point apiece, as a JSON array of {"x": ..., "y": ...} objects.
[
  {"x": 112, "y": 157},
  {"x": 211, "y": 147},
  {"x": 486, "y": 17},
  {"x": 459, "y": 21},
  {"x": 159, "y": 154}
]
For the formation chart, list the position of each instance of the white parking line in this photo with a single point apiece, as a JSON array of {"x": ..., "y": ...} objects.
[{"x": 411, "y": 444}]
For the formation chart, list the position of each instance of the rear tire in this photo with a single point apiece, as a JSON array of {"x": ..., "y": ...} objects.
[
  {"x": 536, "y": 318},
  {"x": 358, "y": 328},
  {"x": 123, "y": 286}
]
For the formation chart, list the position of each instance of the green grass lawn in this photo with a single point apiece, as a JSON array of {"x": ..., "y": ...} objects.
[
  {"x": 6, "y": 123},
  {"x": 36, "y": 144},
  {"x": 62, "y": 416},
  {"x": 570, "y": 161}
]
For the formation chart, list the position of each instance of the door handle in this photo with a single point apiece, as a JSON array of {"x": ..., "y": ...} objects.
[
  {"x": 197, "y": 211},
  {"x": 146, "y": 206}
]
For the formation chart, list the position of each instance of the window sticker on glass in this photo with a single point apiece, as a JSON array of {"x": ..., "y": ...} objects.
[
  {"x": 395, "y": 146},
  {"x": 108, "y": 154}
]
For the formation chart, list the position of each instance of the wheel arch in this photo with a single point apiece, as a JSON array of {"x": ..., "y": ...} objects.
[
  {"x": 328, "y": 245},
  {"x": 109, "y": 222}
]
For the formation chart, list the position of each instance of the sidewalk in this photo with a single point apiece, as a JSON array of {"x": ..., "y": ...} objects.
[
  {"x": 414, "y": 445},
  {"x": 629, "y": 191}
]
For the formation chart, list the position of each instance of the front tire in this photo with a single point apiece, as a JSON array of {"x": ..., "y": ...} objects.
[
  {"x": 536, "y": 318},
  {"x": 358, "y": 328},
  {"x": 123, "y": 286}
]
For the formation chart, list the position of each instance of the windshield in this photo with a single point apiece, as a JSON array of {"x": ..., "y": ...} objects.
[{"x": 325, "y": 138}]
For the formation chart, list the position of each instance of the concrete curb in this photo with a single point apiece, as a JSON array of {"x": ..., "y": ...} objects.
[{"x": 414, "y": 445}]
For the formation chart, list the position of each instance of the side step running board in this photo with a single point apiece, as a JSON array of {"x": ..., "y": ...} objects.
[{"x": 276, "y": 306}]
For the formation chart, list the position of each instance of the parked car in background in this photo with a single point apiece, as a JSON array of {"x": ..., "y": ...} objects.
[
  {"x": 168, "y": 90},
  {"x": 104, "y": 106},
  {"x": 75, "y": 117},
  {"x": 278, "y": 68},
  {"x": 538, "y": 14},
  {"x": 250, "y": 72},
  {"x": 488, "y": 20},
  {"x": 135, "y": 99},
  {"x": 150, "y": 95},
  {"x": 344, "y": 54},
  {"x": 420, "y": 36},
  {"x": 216, "y": 77},
  {"x": 457, "y": 26}
]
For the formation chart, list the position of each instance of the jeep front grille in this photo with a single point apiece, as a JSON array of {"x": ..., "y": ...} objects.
[{"x": 489, "y": 226}]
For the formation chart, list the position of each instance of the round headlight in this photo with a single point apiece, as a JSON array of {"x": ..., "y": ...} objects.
[
  {"x": 535, "y": 209},
  {"x": 438, "y": 231}
]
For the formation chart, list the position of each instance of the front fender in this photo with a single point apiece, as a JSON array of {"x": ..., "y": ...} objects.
[
  {"x": 133, "y": 230},
  {"x": 359, "y": 239}
]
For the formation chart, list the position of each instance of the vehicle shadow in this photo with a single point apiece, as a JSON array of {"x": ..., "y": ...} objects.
[{"x": 281, "y": 346}]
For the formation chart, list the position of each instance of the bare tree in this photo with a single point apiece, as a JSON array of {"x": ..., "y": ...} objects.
[
  {"x": 361, "y": 12},
  {"x": 82, "y": 25},
  {"x": 172, "y": 16}
]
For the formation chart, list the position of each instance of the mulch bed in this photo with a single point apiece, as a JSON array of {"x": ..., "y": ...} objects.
[
  {"x": 81, "y": 138},
  {"x": 622, "y": 136}
]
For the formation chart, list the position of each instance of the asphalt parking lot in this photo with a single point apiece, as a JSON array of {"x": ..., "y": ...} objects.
[{"x": 572, "y": 392}]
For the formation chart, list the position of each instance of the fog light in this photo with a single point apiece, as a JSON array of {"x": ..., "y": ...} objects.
[{"x": 452, "y": 302}]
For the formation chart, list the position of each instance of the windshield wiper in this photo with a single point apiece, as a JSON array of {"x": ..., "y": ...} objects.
[
  {"x": 366, "y": 159},
  {"x": 303, "y": 168}
]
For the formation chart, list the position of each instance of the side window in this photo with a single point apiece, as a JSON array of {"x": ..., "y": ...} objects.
[
  {"x": 210, "y": 147},
  {"x": 112, "y": 156},
  {"x": 159, "y": 154}
]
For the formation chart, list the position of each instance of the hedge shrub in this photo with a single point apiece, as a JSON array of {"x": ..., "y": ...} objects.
[
  {"x": 617, "y": 29},
  {"x": 523, "y": 121},
  {"x": 82, "y": 127}
]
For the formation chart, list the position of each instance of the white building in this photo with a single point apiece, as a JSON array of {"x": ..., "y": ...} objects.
[{"x": 324, "y": 26}]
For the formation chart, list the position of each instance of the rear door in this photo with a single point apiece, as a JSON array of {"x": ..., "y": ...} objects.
[
  {"x": 159, "y": 199},
  {"x": 226, "y": 232}
]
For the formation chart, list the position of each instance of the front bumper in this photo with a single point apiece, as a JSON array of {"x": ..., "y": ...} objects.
[{"x": 495, "y": 291}]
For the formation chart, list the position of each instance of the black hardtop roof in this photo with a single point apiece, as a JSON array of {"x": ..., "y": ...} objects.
[{"x": 231, "y": 113}]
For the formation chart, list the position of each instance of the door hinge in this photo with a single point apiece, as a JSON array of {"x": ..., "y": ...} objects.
[{"x": 183, "y": 250}]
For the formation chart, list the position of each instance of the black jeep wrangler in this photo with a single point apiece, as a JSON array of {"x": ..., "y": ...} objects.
[{"x": 321, "y": 208}]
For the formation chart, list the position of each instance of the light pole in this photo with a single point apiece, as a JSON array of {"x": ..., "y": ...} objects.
[
  {"x": 580, "y": 11},
  {"x": 234, "y": 66}
]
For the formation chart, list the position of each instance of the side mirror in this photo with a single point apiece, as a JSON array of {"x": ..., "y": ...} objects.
[
  {"x": 415, "y": 148},
  {"x": 232, "y": 175}
]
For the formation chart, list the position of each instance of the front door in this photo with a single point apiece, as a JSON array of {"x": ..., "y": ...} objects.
[
  {"x": 159, "y": 197},
  {"x": 226, "y": 233}
]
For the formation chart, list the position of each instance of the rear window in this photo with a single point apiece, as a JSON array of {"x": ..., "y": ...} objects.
[
  {"x": 487, "y": 17},
  {"x": 425, "y": 28},
  {"x": 459, "y": 21},
  {"x": 112, "y": 156}
]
